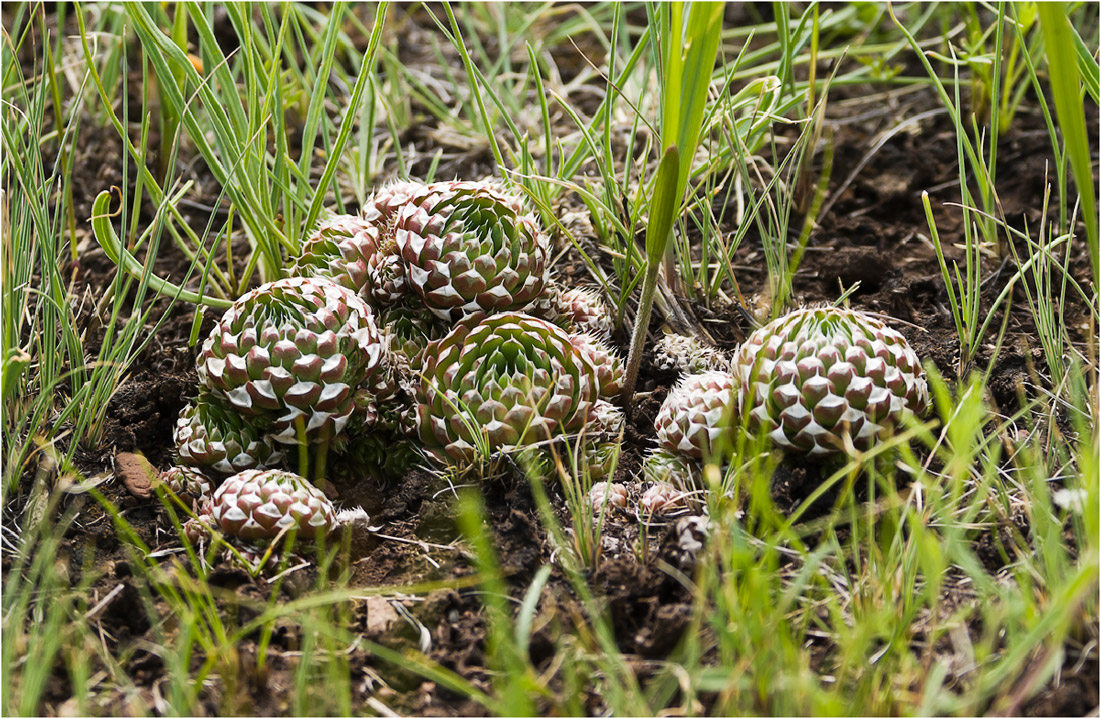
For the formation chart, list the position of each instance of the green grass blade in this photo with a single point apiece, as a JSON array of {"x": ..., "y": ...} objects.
[
  {"x": 105, "y": 234},
  {"x": 1065, "y": 86}
]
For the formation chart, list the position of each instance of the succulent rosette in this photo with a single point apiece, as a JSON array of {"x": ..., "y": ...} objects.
[
  {"x": 359, "y": 251},
  {"x": 295, "y": 348},
  {"x": 605, "y": 493},
  {"x": 189, "y": 484},
  {"x": 213, "y": 437},
  {"x": 342, "y": 248},
  {"x": 379, "y": 440},
  {"x": 609, "y": 367},
  {"x": 576, "y": 309},
  {"x": 696, "y": 413},
  {"x": 198, "y": 529},
  {"x": 817, "y": 377},
  {"x": 499, "y": 382},
  {"x": 688, "y": 355},
  {"x": 408, "y": 331},
  {"x": 468, "y": 247},
  {"x": 385, "y": 268},
  {"x": 588, "y": 311},
  {"x": 256, "y": 505},
  {"x": 385, "y": 452},
  {"x": 602, "y": 432},
  {"x": 661, "y": 466},
  {"x": 662, "y": 497}
]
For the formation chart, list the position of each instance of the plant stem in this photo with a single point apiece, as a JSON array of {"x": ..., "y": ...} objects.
[
  {"x": 321, "y": 462},
  {"x": 662, "y": 213},
  {"x": 637, "y": 339},
  {"x": 303, "y": 447}
]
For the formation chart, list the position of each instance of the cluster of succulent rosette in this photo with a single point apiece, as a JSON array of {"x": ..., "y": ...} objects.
[
  {"x": 428, "y": 325},
  {"x": 819, "y": 382}
]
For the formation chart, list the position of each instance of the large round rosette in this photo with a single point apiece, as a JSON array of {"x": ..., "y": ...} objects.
[
  {"x": 818, "y": 377},
  {"x": 468, "y": 247},
  {"x": 296, "y": 348},
  {"x": 499, "y": 382}
]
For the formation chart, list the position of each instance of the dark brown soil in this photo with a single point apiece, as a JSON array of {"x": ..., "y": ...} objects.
[{"x": 873, "y": 234}]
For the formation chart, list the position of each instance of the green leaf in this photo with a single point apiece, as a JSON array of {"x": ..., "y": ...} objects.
[
  {"x": 117, "y": 253},
  {"x": 663, "y": 205},
  {"x": 689, "y": 58},
  {"x": 1066, "y": 88},
  {"x": 15, "y": 365},
  {"x": 1087, "y": 66},
  {"x": 361, "y": 84}
]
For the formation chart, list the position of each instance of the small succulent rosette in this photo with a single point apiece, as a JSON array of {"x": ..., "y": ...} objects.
[
  {"x": 663, "y": 498},
  {"x": 190, "y": 485},
  {"x": 259, "y": 505},
  {"x": 666, "y": 467},
  {"x": 609, "y": 367},
  {"x": 602, "y": 436},
  {"x": 605, "y": 495},
  {"x": 501, "y": 382},
  {"x": 468, "y": 247},
  {"x": 386, "y": 269},
  {"x": 687, "y": 355},
  {"x": 408, "y": 330},
  {"x": 697, "y": 413},
  {"x": 379, "y": 440},
  {"x": 594, "y": 450},
  {"x": 673, "y": 485},
  {"x": 294, "y": 352},
  {"x": 212, "y": 437},
  {"x": 359, "y": 251},
  {"x": 819, "y": 378},
  {"x": 576, "y": 310},
  {"x": 346, "y": 249}
]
